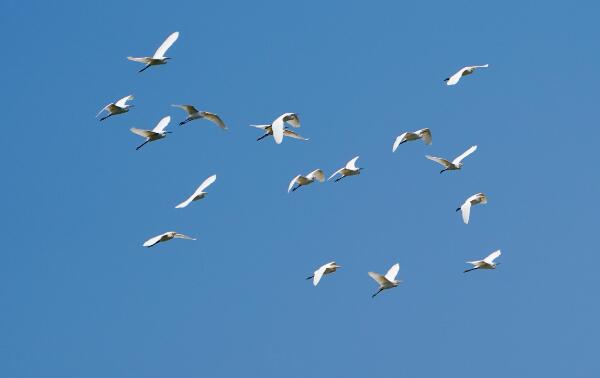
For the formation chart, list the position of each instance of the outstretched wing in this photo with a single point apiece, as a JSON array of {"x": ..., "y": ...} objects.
[
  {"x": 206, "y": 183},
  {"x": 465, "y": 209},
  {"x": 182, "y": 236},
  {"x": 397, "y": 141},
  {"x": 335, "y": 173},
  {"x": 152, "y": 241},
  {"x": 381, "y": 280},
  {"x": 464, "y": 155},
  {"x": 484, "y": 66},
  {"x": 292, "y": 119},
  {"x": 456, "y": 77},
  {"x": 144, "y": 60},
  {"x": 425, "y": 134},
  {"x": 318, "y": 274},
  {"x": 160, "y": 52},
  {"x": 103, "y": 109},
  {"x": 351, "y": 165},
  {"x": 277, "y": 128},
  {"x": 292, "y": 134},
  {"x": 317, "y": 174},
  {"x": 438, "y": 160},
  {"x": 393, "y": 272},
  {"x": 492, "y": 256},
  {"x": 162, "y": 124},
  {"x": 189, "y": 109},
  {"x": 292, "y": 183},
  {"x": 142, "y": 133},
  {"x": 121, "y": 103},
  {"x": 215, "y": 119},
  {"x": 263, "y": 127}
]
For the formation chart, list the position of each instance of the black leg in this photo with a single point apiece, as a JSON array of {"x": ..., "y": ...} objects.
[
  {"x": 443, "y": 170},
  {"x": 338, "y": 179},
  {"x": 103, "y": 118},
  {"x": 458, "y": 209},
  {"x": 142, "y": 145},
  {"x": 378, "y": 291},
  {"x": 262, "y": 137},
  {"x": 145, "y": 68},
  {"x": 468, "y": 270},
  {"x": 310, "y": 278},
  {"x": 294, "y": 189}
]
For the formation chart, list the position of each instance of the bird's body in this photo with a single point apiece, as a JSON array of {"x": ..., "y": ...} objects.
[
  {"x": 118, "y": 107},
  {"x": 194, "y": 113},
  {"x": 424, "y": 134},
  {"x": 154, "y": 134},
  {"x": 165, "y": 237},
  {"x": 268, "y": 129},
  {"x": 452, "y": 80},
  {"x": 277, "y": 129},
  {"x": 159, "y": 56},
  {"x": 199, "y": 193},
  {"x": 454, "y": 164},
  {"x": 487, "y": 263},
  {"x": 465, "y": 208},
  {"x": 316, "y": 175},
  {"x": 388, "y": 281},
  {"x": 349, "y": 170},
  {"x": 323, "y": 270}
]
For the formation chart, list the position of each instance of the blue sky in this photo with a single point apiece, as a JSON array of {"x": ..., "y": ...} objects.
[{"x": 80, "y": 297}]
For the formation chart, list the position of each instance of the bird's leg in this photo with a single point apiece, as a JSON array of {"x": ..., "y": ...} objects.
[
  {"x": 145, "y": 68},
  {"x": 378, "y": 291},
  {"x": 294, "y": 189},
  {"x": 183, "y": 122},
  {"x": 103, "y": 118},
  {"x": 338, "y": 179},
  {"x": 446, "y": 79},
  {"x": 458, "y": 209},
  {"x": 443, "y": 170},
  {"x": 468, "y": 270},
  {"x": 142, "y": 145},
  {"x": 310, "y": 278},
  {"x": 262, "y": 137}
]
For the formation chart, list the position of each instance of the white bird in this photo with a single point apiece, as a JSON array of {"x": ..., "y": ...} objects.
[
  {"x": 462, "y": 72},
  {"x": 159, "y": 56},
  {"x": 115, "y": 108},
  {"x": 325, "y": 269},
  {"x": 300, "y": 180},
  {"x": 454, "y": 164},
  {"x": 487, "y": 263},
  {"x": 424, "y": 134},
  {"x": 388, "y": 281},
  {"x": 465, "y": 208},
  {"x": 349, "y": 170},
  {"x": 165, "y": 237},
  {"x": 154, "y": 134},
  {"x": 193, "y": 114},
  {"x": 277, "y": 127},
  {"x": 269, "y": 131},
  {"x": 199, "y": 193}
]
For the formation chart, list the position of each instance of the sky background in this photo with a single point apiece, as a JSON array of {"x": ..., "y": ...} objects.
[{"x": 81, "y": 297}]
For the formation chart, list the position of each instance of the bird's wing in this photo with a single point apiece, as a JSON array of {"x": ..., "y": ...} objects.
[
  {"x": 464, "y": 155},
  {"x": 142, "y": 133},
  {"x": 492, "y": 256},
  {"x": 150, "y": 242},
  {"x": 162, "y": 124},
  {"x": 186, "y": 202},
  {"x": 317, "y": 174},
  {"x": 160, "y": 52},
  {"x": 351, "y": 165},
  {"x": 397, "y": 141},
  {"x": 292, "y": 134},
  {"x": 292, "y": 183},
  {"x": 205, "y": 184},
  {"x": 483, "y": 198},
  {"x": 292, "y": 119},
  {"x": 381, "y": 280},
  {"x": 484, "y": 66},
  {"x": 393, "y": 272},
  {"x": 215, "y": 119},
  {"x": 103, "y": 109},
  {"x": 425, "y": 134},
  {"x": 335, "y": 173},
  {"x": 121, "y": 102},
  {"x": 261, "y": 126},
  {"x": 277, "y": 127},
  {"x": 465, "y": 209},
  {"x": 456, "y": 77},
  {"x": 189, "y": 109},
  {"x": 140, "y": 60},
  {"x": 182, "y": 236},
  {"x": 318, "y": 274},
  {"x": 438, "y": 160}
]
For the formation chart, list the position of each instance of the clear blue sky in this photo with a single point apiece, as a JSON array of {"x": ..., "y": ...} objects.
[{"x": 80, "y": 297}]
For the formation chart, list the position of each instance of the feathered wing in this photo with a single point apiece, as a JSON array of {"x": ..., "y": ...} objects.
[
  {"x": 262, "y": 127},
  {"x": 351, "y": 165},
  {"x": 292, "y": 183},
  {"x": 398, "y": 141},
  {"x": 465, "y": 210},
  {"x": 335, "y": 173},
  {"x": 152, "y": 241},
  {"x": 426, "y": 135},
  {"x": 142, "y": 133},
  {"x": 103, "y": 109},
  {"x": 464, "y": 155},
  {"x": 182, "y": 236},
  {"x": 160, "y": 52},
  {"x": 215, "y": 119},
  {"x": 483, "y": 66},
  {"x": 277, "y": 127},
  {"x": 318, "y": 274},
  {"x": 456, "y": 77},
  {"x": 189, "y": 109},
  {"x": 121, "y": 103},
  {"x": 381, "y": 280},
  {"x": 292, "y": 134},
  {"x": 144, "y": 60},
  {"x": 438, "y": 160},
  {"x": 317, "y": 174},
  {"x": 205, "y": 184},
  {"x": 393, "y": 272},
  {"x": 492, "y": 256},
  {"x": 186, "y": 202},
  {"x": 292, "y": 119},
  {"x": 162, "y": 124}
]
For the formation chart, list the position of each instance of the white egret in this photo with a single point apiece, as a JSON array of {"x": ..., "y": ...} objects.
[
  {"x": 115, "y": 108},
  {"x": 454, "y": 164},
  {"x": 325, "y": 269},
  {"x": 487, "y": 263},
  {"x": 388, "y": 281},
  {"x": 199, "y": 193},
  {"x": 193, "y": 114},
  {"x": 154, "y": 134},
  {"x": 462, "y": 72},
  {"x": 277, "y": 127},
  {"x": 465, "y": 208},
  {"x": 349, "y": 170},
  {"x": 424, "y": 134},
  {"x": 165, "y": 237},
  {"x": 286, "y": 132},
  {"x": 159, "y": 56},
  {"x": 316, "y": 175}
]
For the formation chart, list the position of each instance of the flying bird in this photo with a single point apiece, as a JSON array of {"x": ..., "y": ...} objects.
[
  {"x": 115, "y": 108},
  {"x": 388, "y": 281},
  {"x": 455, "y": 164},
  {"x": 462, "y": 72},
  {"x": 199, "y": 193},
  {"x": 165, "y": 237},
  {"x": 325, "y": 269},
  {"x": 193, "y": 114},
  {"x": 300, "y": 180},
  {"x": 154, "y": 134},
  {"x": 159, "y": 56},
  {"x": 465, "y": 208},
  {"x": 277, "y": 127},
  {"x": 487, "y": 263},
  {"x": 269, "y": 131},
  {"x": 424, "y": 134},
  {"x": 349, "y": 170}
]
